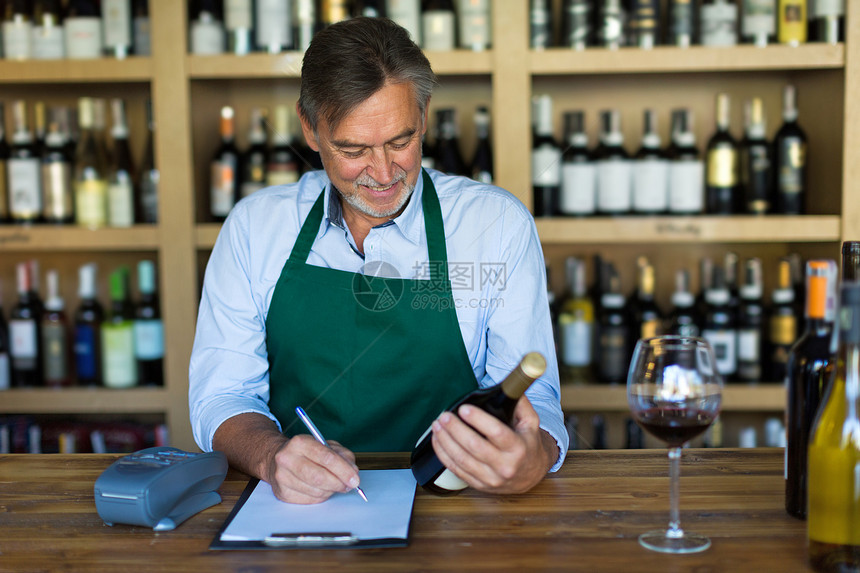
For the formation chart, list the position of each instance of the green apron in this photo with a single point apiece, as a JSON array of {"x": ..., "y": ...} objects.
[{"x": 372, "y": 360}]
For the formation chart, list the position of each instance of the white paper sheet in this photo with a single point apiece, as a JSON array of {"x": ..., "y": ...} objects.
[{"x": 385, "y": 515}]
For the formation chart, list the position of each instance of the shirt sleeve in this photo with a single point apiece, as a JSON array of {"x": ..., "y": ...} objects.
[
  {"x": 519, "y": 320},
  {"x": 228, "y": 371}
]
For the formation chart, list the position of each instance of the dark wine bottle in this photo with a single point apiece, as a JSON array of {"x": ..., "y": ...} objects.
[
  {"x": 615, "y": 335},
  {"x": 5, "y": 378},
  {"x": 756, "y": 173},
  {"x": 448, "y": 157},
  {"x": 809, "y": 369},
  {"x": 722, "y": 165},
  {"x": 255, "y": 159},
  {"x": 284, "y": 163},
  {"x": 482, "y": 161},
  {"x": 25, "y": 349},
  {"x": 644, "y": 23},
  {"x": 851, "y": 261},
  {"x": 684, "y": 320},
  {"x": 751, "y": 324},
  {"x": 546, "y": 160},
  {"x": 681, "y": 25},
  {"x": 148, "y": 329},
  {"x": 499, "y": 400},
  {"x": 88, "y": 323},
  {"x": 783, "y": 322},
  {"x": 790, "y": 158},
  {"x": 647, "y": 318},
  {"x": 24, "y": 171},
  {"x": 540, "y": 24},
  {"x": 147, "y": 206},
  {"x": 576, "y": 24},
  {"x": 225, "y": 170},
  {"x": 720, "y": 327},
  {"x": 4, "y": 161}
]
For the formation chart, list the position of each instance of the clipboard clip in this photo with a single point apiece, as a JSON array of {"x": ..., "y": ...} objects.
[{"x": 311, "y": 539}]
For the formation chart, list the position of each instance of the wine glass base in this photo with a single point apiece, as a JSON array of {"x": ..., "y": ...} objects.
[{"x": 664, "y": 542}]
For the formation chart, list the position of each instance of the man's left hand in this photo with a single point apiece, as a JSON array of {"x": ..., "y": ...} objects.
[{"x": 491, "y": 456}]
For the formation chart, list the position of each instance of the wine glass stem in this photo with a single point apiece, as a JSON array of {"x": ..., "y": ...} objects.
[{"x": 675, "y": 530}]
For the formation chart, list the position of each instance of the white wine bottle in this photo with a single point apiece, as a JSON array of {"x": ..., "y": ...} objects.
[
  {"x": 833, "y": 487},
  {"x": 499, "y": 400}
]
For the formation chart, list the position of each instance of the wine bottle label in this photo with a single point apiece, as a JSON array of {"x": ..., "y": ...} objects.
[
  {"x": 437, "y": 30},
  {"x": 54, "y": 351},
  {"x": 449, "y": 481},
  {"x": 722, "y": 167},
  {"x": 23, "y": 342},
  {"x": 5, "y": 383},
  {"x": 759, "y": 18},
  {"x": 238, "y": 14},
  {"x": 25, "y": 188},
  {"x": 17, "y": 40},
  {"x": 222, "y": 192},
  {"x": 724, "y": 343},
  {"x": 792, "y": 22},
  {"x": 828, "y": 8},
  {"x": 749, "y": 345},
  {"x": 783, "y": 329},
  {"x": 578, "y": 188},
  {"x": 142, "y": 42},
  {"x": 614, "y": 179},
  {"x": 207, "y": 38},
  {"x": 148, "y": 339},
  {"x": 546, "y": 166},
  {"x": 576, "y": 341},
  {"x": 57, "y": 190},
  {"x": 474, "y": 19},
  {"x": 83, "y": 37},
  {"x": 792, "y": 166},
  {"x": 613, "y": 357},
  {"x": 686, "y": 186},
  {"x": 117, "y": 23},
  {"x": 48, "y": 43},
  {"x": 91, "y": 203},
  {"x": 650, "y": 185},
  {"x": 118, "y": 365},
  {"x": 86, "y": 339},
  {"x": 274, "y": 26},
  {"x": 121, "y": 203},
  {"x": 718, "y": 24}
]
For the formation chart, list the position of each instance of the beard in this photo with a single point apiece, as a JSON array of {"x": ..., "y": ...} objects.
[{"x": 358, "y": 202}]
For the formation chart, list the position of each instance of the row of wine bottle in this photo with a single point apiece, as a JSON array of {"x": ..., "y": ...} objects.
[
  {"x": 644, "y": 24},
  {"x": 753, "y": 176},
  {"x": 273, "y": 26},
  {"x": 596, "y": 330},
  {"x": 64, "y": 171},
  {"x": 28, "y": 435},
  {"x": 80, "y": 29},
  {"x": 43, "y": 345}
]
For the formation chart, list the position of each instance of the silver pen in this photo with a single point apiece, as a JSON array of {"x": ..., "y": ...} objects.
[{"x": 306, "y": 420}]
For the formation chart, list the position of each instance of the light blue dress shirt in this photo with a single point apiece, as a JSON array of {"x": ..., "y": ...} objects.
[{"x": 496, "y": 267}]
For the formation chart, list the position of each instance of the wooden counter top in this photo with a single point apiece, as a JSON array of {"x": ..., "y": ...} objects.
[{"x": 585, "y": 518}]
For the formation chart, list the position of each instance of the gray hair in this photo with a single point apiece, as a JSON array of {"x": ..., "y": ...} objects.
[{"x": 348, "y": 62}]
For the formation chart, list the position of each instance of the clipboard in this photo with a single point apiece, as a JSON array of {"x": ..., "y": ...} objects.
[{"x": 259, "y": 521}]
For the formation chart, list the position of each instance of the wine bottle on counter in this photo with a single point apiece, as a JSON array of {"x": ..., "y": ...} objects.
[
  {"x": 239, "y": 25},
  {"x": 576, "y": 24},
  {"x": 17, "y": 30},
  {"x": 614, "y": 170},
  {"x": 499, "y": 400},
  {"x": 449, "y": 159},
  {"x": 91, "y": 167},
  {"x": 719, "y": 19},
  {"x": 576, "y": 325},
  {"x": 610, "y": 17},
  {"x": 55, "y": 336},
  {"x": 720, "y": 327},
  {"x": 116, "y": 20},
  {"x": 792, "y": 22},
  {"x": 25, "y": 333},
  {"x": 751, "y": 323},
  {"x": 57, "y": 167},
  {"x": 809, "y": 370},
  {"x": 546, "y": 160},
  {"x": 650, "y": 173},
  {"x": 482, "y": 160},
  {"x": 438, "y": 26},
  {"x": 206, "y": 36},
  {"x": 283, "y": 165},
  {"x": 681, "y": 28},
  {"x": 783, "y": 322},
  {"x": 88, "y": 320},
  {"x": 475, "y": 31},
  {"x": 406, "y": 13},
  {"x": 686, "y": 186},
  {"x": 83, "y": 30},
  {"x": 722, "y": 164},
  {"x": 225, "y": 170},
  {"x": 121, "y": 175},
  {"x": 833, "y": 526},
  {"x": 147, "y": 207},
  {"x": 148, "y": 329},
  {"x": 141, "y": 37},
  {"x": 119, "y": 368},
  {"x": 684, "y": 320},
  {"x": 273, "y": 26},
  {"x": 828, "y": 20},
  {"x": 756, "y": 173},
  {"x": 48, "y": 31},
  {"x": 615, "y": 336},
  {"x": 24, "y": 170},
  {"x": 758, "y": 22},
  {"x": 4, "y": 173},
  {"x": 644, "y": 22},
  {"x": 578, "y": 172},
  {"x": 255, "y": 160},
  {"x": 540, "y": 24},
  {"x": 790, "y": 158},
  {"x": 305, "y": 19}
]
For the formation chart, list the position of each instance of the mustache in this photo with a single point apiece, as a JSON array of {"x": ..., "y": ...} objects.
[{"x": 369, "y": 181}]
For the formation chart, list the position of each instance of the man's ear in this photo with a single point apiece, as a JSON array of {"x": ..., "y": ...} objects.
[
  {"x": 307, "y": 131},
  {"x": 426, "y": 117}
]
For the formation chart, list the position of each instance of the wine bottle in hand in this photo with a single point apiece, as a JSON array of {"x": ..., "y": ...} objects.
[{"x": 499, "y": 400}]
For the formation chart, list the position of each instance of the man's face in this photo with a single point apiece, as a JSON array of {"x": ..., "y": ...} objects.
[{"x": 373, "y": 156}]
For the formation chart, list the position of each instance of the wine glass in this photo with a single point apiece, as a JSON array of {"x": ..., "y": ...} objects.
[{"x": 674, "y": 393}]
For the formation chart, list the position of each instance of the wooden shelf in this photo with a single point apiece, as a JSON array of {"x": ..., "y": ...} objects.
[
  {"x": 83, "y": 401},
  {"x": 206, "y": 234},
  {"x": 613, "y": 398},
  {"x": 132, "y": 69},
  {"x": 693, "y": 59},
  {"x": 71, "y": 238},
  {"x": 704, "y": 229}
]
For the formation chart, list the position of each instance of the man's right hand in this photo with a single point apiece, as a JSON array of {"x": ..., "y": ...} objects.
[{"x": 299, "y": 469}]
